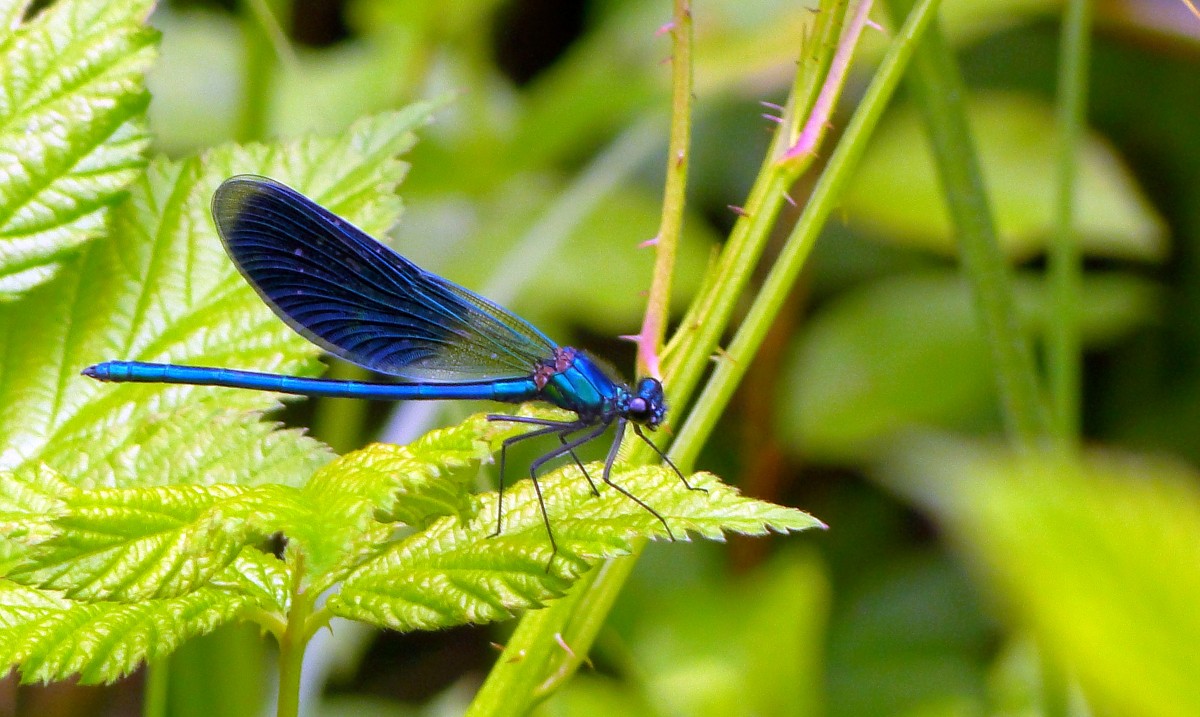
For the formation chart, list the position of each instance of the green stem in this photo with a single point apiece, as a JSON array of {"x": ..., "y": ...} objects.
[
  {"x": 654, "y": 325},
  {"x": 1064, "y": 348},
  {"x": 155, "y": 690},
  {"x": 292, "y": 644},
  {"x": 533, "y": 663},
  {"x": 260, "y": 32},
  {"x": 700, "y": 332},
  {"x": 787, "y": 266},
  {"x": 938, "y": 90},
  {"x": 291, "y": 662}
]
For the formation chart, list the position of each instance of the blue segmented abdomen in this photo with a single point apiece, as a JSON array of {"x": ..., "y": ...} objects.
[{"x": 514, "y": 390}]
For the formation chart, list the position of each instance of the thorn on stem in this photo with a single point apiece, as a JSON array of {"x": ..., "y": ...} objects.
[
  {"x": 738, "y": 210},
  {"x": 652, "y": 241},
  {"x": 563, "y": 644},
  {"x": 771, "y": 105},
  {"x": 788, "y": 198},
  {"x": 771, "y": 117},
  {"x": 720, "y": 354},
  {"x": 664, "y": 29}
]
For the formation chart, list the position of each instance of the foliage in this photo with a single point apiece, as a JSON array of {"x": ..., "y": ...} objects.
[
  {"x": 981, "y": 374},
  {"x": 138, "y": 517},
  {"x": 82, "y": 62},
  {"x": 102, "y": 578}
]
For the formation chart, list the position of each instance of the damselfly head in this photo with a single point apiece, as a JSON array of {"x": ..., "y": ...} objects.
[{"x": 647, "y": 406}]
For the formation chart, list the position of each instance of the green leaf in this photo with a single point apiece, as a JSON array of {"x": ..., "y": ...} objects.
[
  {"x": 152, "y": 505},
  {"x": 409, "y": 484},
  {"x": 139, "y": 543},
  {"x": 119, "y": 566},
  {"x": 144, "y": 543},
  {"x": 357, "y": 499},
  {"x": 260, "y": 576},
  {"x": 1097, "y": 558},
  {"x": 72, "y": 128},
  {"x": 53, "y": 638},
  {"x": 30, "y": 501},
  {"x": 161, "y": 289},
  {"x": 459, "y": 571},
  {"x": 896, "y": 191}
]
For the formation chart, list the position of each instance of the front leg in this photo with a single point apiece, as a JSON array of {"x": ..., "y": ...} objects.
[{"x": 661, "y": 454}]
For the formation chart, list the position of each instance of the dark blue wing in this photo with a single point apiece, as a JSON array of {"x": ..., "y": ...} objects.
[{"x": 361, "y": 301}]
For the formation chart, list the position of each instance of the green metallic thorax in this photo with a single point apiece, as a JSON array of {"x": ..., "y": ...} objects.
[{"x": 583, "y": 387}]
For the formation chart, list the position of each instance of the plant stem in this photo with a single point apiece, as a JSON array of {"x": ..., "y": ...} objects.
[
  {"x": 533, "y": 663},
  {"x": 523, "y": 674},
  {"x": 700, "y": 332},
  {"x": 815, "y": 127},
  {"x": 938, "y": 90},
  {"x": 263, "y": 39},
  {"x": 154, "y": 692},
  {"x": 654, "y": 324},
  {"x": 1064, "y": 350},
  {"x": 787, "y": 266},
  {"x": 1064, "y": 346},
  {"x": 292, "y": 644},
  {"x": 291, "y": 662}
]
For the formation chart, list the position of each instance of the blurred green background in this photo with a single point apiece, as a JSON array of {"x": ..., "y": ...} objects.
[{"x": 953, "y": 579}]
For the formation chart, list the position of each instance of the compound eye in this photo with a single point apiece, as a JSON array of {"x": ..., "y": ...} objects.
[
  {"x": 647, "y": 406},
  {"x": 650, "y": 390}
]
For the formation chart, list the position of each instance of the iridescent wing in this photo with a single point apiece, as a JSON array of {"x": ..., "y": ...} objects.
[{"x": 361, "y": 301}]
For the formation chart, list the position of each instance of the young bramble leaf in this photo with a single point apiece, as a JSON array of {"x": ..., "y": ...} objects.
[
  {"x": 362, "y": 494},
  {"x": 260, "y": 576},
  {"x": 401, "y": 479},
  {"x": 72, "y": 127},
  {"x": 128, "y": 544},
  {"x": 197, "y": 443},
  {"x": 30, "y": 501},
  {"x": 53, "y": 638},
  {"x": 115, "y": 565},
  {"x": 461, "y": 571},
  {"x": 161, "y": 288}
]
